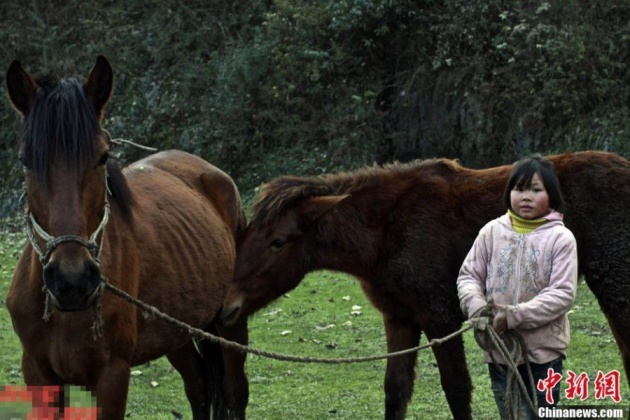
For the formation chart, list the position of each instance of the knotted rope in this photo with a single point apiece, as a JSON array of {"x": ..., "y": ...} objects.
[
  {"x": 510, "y": 345},
  {"x": 123, "y": 142},
  {"x": 94, "y": 247}
]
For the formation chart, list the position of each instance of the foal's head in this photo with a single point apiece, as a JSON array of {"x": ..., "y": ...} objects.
[
  {"x": 278, "y": 246},
  {"x": 64, "y": 153}
]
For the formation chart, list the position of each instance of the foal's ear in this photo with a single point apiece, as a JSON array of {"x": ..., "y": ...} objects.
[
  {"x": 98, "y": 86},
  {"x": 314, "y": 208},
  {"x": 21, "y": 87}
]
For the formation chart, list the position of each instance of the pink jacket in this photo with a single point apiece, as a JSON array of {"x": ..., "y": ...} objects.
[{"x": 534, "y": 274}]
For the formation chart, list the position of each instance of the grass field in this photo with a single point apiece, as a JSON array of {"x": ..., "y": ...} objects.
[{"x": 326, "y": 316}]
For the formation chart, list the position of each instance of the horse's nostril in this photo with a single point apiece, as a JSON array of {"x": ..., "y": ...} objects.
[
  {"x": 50, "y": 271},
  {"x": 92, "y": 271}
]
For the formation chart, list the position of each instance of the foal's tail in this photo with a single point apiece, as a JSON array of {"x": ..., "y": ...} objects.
[{"x": 213, "y": 364}]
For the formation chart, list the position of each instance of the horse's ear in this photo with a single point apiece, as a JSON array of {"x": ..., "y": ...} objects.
[
  {"x": 21, "y": 87},
  {"x": 98, "y": 86},
  {"x": 314, "y": 208}
]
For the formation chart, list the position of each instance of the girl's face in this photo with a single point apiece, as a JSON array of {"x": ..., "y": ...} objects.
[{"x": 532, "y": 202}]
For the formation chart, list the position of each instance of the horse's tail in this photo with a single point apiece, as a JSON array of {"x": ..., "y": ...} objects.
[{"x": 213, "y": 365}]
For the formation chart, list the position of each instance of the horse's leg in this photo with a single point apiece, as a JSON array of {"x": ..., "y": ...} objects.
[
  {"x": 400, "y": 372},
  {"x": 621, "y": 332},
  {"x": 112, "y": 388},
  {"x": 36, "y": 374},
  {"x": 454, "y": 375},
  {"x": 188, "y": 362},
  {"x": 235, "y": 383},
  {"x": 613, "y": 302}
]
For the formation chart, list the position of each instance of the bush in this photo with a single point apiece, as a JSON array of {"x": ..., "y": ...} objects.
[{"x": 264, "y": 88}]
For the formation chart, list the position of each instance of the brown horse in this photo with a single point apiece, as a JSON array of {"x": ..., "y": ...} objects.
[
  {"x": 164, "y": 230},
  {"x": 404, "y": 230}
]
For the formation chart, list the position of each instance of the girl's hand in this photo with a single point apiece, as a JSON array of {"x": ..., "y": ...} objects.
[{"x": 499, "y": 323}]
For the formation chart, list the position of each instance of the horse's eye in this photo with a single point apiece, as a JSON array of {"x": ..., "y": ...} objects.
[
  {"x": 278, "y": 243},
  {"x": 103, "y": 160}
]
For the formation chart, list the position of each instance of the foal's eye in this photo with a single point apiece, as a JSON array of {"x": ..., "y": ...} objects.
[
  {"x": 103, "y": 160},
  {"x": 278, "y": 243}
]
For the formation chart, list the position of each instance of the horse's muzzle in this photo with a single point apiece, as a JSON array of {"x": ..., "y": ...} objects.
[{"x": 73, "y": 288}]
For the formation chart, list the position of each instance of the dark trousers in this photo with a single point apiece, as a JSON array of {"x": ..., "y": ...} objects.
[{"x": 539, "y": 371}]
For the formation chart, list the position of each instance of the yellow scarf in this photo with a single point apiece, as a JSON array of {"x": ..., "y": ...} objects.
[{"x": 525, "y": 225}]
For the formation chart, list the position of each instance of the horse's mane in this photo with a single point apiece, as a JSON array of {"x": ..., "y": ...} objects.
[
  {"x": 119, "y": 188},
  {"x": 285, "y": 192},
  {"x": 61, "y": 122}
]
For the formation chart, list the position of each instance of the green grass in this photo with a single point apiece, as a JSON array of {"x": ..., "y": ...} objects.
[{"x": 316, "y": 320}]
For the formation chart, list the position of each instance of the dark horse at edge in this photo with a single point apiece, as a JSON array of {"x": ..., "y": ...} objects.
[
  {"x": 403, "y": 231},
  {"x": 163, "y": 230}
]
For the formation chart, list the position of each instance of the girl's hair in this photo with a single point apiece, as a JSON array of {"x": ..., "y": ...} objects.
[{"x": 521, "y": 176}]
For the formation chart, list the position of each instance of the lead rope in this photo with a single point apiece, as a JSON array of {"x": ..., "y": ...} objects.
[
  {"x": 487, "y": 337},
  {"x": 150, "y": 310}
]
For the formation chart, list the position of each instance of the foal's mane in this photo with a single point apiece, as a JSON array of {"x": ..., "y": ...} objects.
[
  {"x": 284, "y": 193},
  {"x": 62, "y": 123}
]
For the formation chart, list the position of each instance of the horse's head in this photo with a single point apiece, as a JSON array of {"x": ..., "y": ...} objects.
[
  {"x": 275, "y": 255},
  {"x": 64, "y": 152}
]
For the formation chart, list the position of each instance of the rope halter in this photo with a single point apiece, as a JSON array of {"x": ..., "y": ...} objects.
[{"x": 93, "y": 245}]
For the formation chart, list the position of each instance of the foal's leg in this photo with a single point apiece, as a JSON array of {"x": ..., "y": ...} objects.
[
  {"x": 400, "y": 373},
  {"x": 454, "y": 374},
  {"x": 235, "y": 385},
  {"x": 187, "y": 361}
]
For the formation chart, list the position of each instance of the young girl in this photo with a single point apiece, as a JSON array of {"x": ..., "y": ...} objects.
[{"x": 525, "y": 263}]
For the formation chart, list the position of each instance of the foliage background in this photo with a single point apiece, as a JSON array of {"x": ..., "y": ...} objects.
[{"x": 269, "y": 87}]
